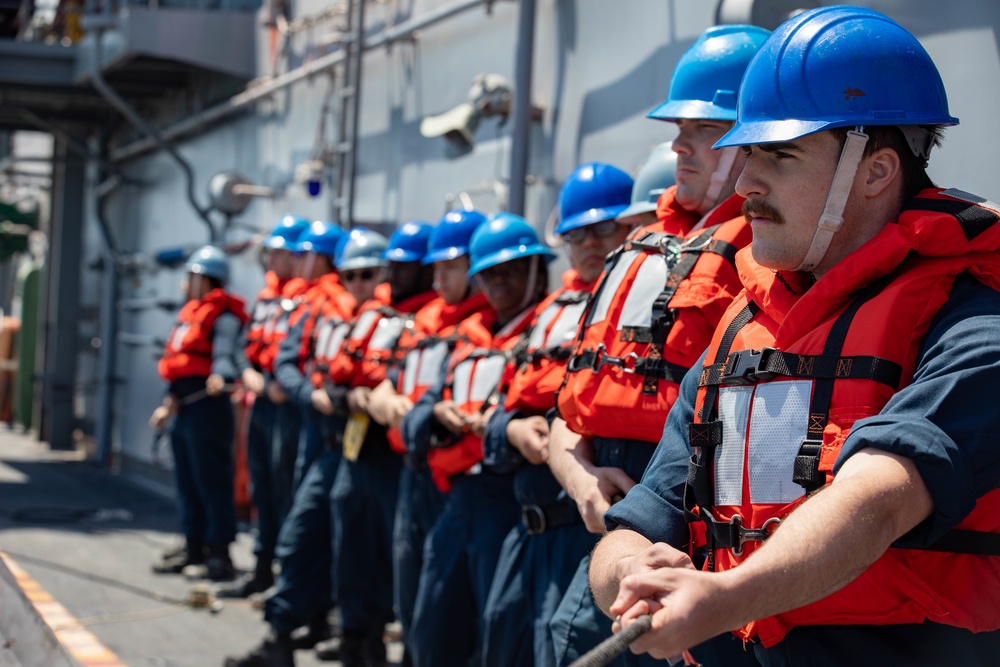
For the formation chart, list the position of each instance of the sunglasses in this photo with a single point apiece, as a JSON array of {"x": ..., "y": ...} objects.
[
  {"x": 363, "y": 274},
  {"x": 600, "y": 230}
]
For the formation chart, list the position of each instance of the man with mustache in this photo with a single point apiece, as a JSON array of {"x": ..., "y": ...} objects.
[
  {"x": 834, "y": 446},
  {"x": 652, "y": 314}
]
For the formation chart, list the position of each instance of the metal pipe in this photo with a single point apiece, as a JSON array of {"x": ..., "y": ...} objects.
[
  {"x": 115, "y": 100},
  {"x": 355, "y": 83},
  {"x": 522, "y": 106},
  {"x": 256, "y": 92}
]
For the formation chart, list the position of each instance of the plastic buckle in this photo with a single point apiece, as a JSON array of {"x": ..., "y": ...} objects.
[
  {"x": 743, "y": 535},
  {"x": 533, "y": 519},
  {"x": 743, "y": 367}
]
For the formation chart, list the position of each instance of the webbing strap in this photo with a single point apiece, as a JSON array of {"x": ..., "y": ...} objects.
[
  {"x": 649, "y": 367},
  {"x": 751, "y": 366},
  {"x": 959, "y": 541}
]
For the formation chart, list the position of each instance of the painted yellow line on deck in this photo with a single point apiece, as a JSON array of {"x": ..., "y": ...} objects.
[{"x": 81, "y": 643}]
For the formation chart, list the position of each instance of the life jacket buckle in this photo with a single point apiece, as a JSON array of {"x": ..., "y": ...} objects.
[
  {"x": 746, "y": 367},
  {"x": 741, "y": 535}
]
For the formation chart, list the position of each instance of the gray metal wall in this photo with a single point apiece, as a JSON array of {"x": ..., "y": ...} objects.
[{"x": 599, "y": 67}]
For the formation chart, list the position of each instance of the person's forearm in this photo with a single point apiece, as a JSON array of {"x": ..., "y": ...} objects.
[
  {"x": 833, "y": 537},
  {"x": 569, "y": 453},
  {"x": 605, "y": 571}
]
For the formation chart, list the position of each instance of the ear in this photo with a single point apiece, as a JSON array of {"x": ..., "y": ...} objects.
[{"x": 883, "y": 168}]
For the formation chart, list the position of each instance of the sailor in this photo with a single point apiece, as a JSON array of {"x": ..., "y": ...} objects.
[
  {"x": 509, "y": 264},
  {"x": 843, "y": 463},
  {"x": 652, "y": 315},
  {"x": 425, "y": 345},
  {"x": 365, "y": 490},
  {"x": 257, "y": 367},
  {"x": 304, "y": 589},
  {"x": 199, "y": 362},
  {"x": 540, "y": 555}
]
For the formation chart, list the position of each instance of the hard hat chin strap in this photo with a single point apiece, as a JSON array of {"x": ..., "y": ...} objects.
[
  {"x": 529, "y": 291},
  {"x": 720, "y": 177},
  {"x": 833, "y": 214}
]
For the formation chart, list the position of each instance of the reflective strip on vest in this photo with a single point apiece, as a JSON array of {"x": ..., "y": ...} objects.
[
  {"x": 610, "y": 287},
  {"x": 364, "y": 325},
  {"x": 330, "y": 335},
  {"x": 474, "y": 379},
  {"x": 649, "y": 282},
  {"x": 387, "y": 333},
  {"x": 423, "y": 366},
  {"x": 563, "y": 330},
  {"x": 177, "y": 336},
  {"x": 776, "y": 415}
]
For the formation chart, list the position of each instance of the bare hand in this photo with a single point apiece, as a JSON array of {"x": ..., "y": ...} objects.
[
  {"x": 357, "y": 399},
  {"x": 594, "y": 489},
  {"x": 253, "y": 381},
  {"x": 215, "y": 384},
  {"x": 688, "y": 607},
  {"x": 276, "y": 392},
  {"x": 477, "y": 423},
  {"x": 449, "y": 416},
  {"x": 321, "y": 402},
  {"x": 654, "y": 557},
  {"x": 159, "y": 418},
  {"x": 388, "y": 408},
  {"x": 530, "y": 436}
]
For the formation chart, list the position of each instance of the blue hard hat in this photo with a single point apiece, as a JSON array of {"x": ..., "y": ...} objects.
[
  {"x": 835, "y": 67},
  {"x": 708, "y": 75},
  {"x": 502, "y": 238},
  {"x": 593, "y": 193},
  {"x": 450, "y": 239},
  {"x": 209, "y": 261},
  {"x": 658, "y": 174},
  {"x": 409, "y": 242},
  {"x": 362, "y": 249},
  {"x": 286, "y": 233},
  {"x": 321, "y": 238}
]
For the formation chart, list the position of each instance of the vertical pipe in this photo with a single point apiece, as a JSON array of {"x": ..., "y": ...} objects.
[
  {"x": 109, "y": 346},
  {"x": 522, "y": 106},
  {"x": 358, "y": 51}
]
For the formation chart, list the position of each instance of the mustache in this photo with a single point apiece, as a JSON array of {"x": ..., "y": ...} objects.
[{"x": 761, "y": 209}]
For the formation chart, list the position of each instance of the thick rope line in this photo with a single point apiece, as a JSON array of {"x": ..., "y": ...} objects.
[{"x": 612, "y": 647}]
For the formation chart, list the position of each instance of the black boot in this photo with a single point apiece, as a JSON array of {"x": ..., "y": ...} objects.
[
  {"x": 218, "y": 564},
  {"x": 175, "y": 560},
  {"x": 274, "y": 651},
  {"x": 353, "y": 649},
  {"x": 257, "y": 581},
  {"x": 375, "y": 649}
]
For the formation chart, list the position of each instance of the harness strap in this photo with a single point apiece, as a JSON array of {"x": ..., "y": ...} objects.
[
  {"x": 649, "y": 367},
  {"x": 752, "y": 366}
]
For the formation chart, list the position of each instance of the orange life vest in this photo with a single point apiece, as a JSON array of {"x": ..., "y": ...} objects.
[
  {"x": 188, "y": 352},
  {"x": 325, "y": 308},
  {"x": 276, "y": 328},
  {"x": 789, "y": 371},
  {"x": 426, "y": 345},
  {"x": 650, "y": 318},
  {"x": 475, "y": 369},
  {"x": 371, "y": 347},
  {"x": 264, "y": 310},
  {"x": 533, "y": 377}
]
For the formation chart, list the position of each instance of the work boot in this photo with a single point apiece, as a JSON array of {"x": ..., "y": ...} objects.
[
  {"x": 257, "y": 581},
  {"x": 375, "y": 649},
  {"x": 274, "y": 651},
  {"x": 353, "y": 649},
  {"x": 218, "y": 564},
  {"x": 317, "y": 631},
  {"x": 328, "y": 649},
  {"x": 193, "y": 553}
]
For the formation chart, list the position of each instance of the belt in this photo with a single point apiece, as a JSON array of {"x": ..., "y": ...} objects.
[{"x": 537, "y": 519}]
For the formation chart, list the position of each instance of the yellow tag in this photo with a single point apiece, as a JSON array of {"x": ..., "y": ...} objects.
[{"x": 354, "y": 435}]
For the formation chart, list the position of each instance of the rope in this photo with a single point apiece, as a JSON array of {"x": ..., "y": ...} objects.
[{"x": 612, "y": 647}]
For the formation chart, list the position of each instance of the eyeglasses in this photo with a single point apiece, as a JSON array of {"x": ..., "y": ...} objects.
[
  {"x": 600, "y": 230},
  {"x": 363, "y": 274}
]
